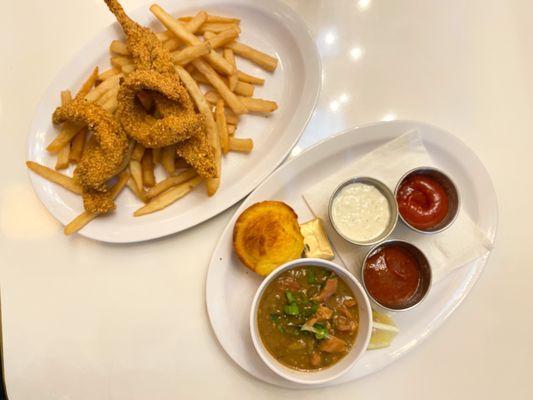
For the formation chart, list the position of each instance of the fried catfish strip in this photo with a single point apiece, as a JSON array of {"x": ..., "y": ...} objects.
[
  {"x": 178, "y": 120},
  {"x": 105, "y": 153},
  {"x": 199, "y": 154},
  {"x": 145, "y": 48}
]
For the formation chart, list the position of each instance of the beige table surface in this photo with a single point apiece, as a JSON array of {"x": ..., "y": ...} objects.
[{"x": 84, "y": 320}]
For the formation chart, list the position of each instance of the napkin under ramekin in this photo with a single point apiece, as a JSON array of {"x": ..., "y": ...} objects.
[{"x": 446, "y": 251}]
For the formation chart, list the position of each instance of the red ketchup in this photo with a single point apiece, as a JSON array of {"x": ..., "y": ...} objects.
[
  {"x": 392, "y": 276},
  {"x": 422, "y": 202}
]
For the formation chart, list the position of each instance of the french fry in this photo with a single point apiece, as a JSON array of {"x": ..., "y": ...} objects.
[
  {"x": 63, "y": 155},
  {"x": 194, "y": 24},
  {"x": 136, "y": 173},
  {"x": 138, "y": 152},
  {"x": 215, "y": 81},
  {"x": 165, "y": 35},
  {"x": 221, "y": 125},
  {"x": 212, "y": 97},
  {"x": 67, "y": 133},
  {"x": 243, "y": 77},
  {"x": 231, "y": 129},
  {"x": 111, "y": 105},
  {"x": 223, "y": 38},
  {"x": 217, "y": 27},
  {"x": 241, "y": 145},
  {"x": 263, "y": 60},
  {"x": 156, "y": 155},
  {"x": 110, "y": 83},
  {"x": 77, "y": 145},
  {"x": 85, "y": 217},
  {"x": 258, "y": 105},
  {"x": 231, "y": 117},
  {"x": 79, "y": 222},
  {"x": 128, "y": 69},
  {"x": 119, "y": 47},
  {"x": 190, "y": 53},
  {"x": 214, "y": 18},
  {"x": 168, "y": 197},
  {"x": 172, "y": 44},
  {"x": 140, "y": 194},
  {"x": 212, "y": 135},
  {"x": 198, "y": 77},
  {"x": 252, "y": 104},
  {"x": 148, "y": 169},
  {"x": 108, "y": 74},
  {"x": 218, "y": 18},
  {"x": 111, "y": 93},
  {"x": 232, "y": 79},
  {"x": 182, "y": 33},
  {"x": 53, "y": 176},
  {"x": 66, "y": 97},
  {"x": 167, "y": 159},
  {"x": 88, "y": 84},
  {"x": 169, "y": 182},
  {"x": 121, "y": 61},
  {"x": 62, "y": 158},
  {"x": 243, "y": 89}
]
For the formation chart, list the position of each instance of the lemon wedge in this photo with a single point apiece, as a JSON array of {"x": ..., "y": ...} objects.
[{"x": 384, "y": 331}]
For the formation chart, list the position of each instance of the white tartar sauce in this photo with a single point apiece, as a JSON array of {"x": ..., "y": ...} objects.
[{"x": 360, "y": 212}]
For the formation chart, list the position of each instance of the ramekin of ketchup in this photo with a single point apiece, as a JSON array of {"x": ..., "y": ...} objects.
[
  {"x": 396, "y": 275},
  {"x": 427, "y": 199}
]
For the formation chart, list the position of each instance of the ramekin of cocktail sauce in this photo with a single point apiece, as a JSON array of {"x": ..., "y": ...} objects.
[{"x": 396, "y": 275}]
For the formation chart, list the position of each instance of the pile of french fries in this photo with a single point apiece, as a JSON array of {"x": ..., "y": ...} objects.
[{"x": 204, "y": 49}]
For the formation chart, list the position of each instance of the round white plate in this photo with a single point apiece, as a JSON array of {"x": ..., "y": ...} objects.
[
  {"x": 230, "y": 286},
  {"x": 269, "y": 26}
]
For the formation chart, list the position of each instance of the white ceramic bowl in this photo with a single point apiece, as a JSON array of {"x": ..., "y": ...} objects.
[{"x": 346, "y": 363}]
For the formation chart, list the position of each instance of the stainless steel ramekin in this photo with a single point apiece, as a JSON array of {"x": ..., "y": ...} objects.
[
  {"x": 385, "y": 191},
  {"x": 424, "y": 284},
  {"x": 449, "y": 188}
]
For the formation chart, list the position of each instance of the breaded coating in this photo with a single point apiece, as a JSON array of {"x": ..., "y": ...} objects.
[
  {"x": 155, "y": 74},
  {"x": 178, "y": 120},
  {"x": 104, "y": 155},
  {"x": 199, "y": 154},
  {"x": 98, "y": 202},
  {"x": 146, "y": 49}
]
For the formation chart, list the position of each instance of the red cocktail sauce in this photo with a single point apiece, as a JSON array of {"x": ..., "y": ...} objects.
[
  {"x": 392, "y": 276},
  {"x": 422, "y": 202}
]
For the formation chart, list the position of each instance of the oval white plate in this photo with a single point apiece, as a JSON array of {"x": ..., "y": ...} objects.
[
  {"x": 269, "y": 26},
  {"x": 230, "y": 286}
]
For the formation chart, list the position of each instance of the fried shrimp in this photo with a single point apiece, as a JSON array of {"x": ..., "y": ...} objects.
[
  {"x": 104, "y": 155},
  {"x": 177, "y": 120}
]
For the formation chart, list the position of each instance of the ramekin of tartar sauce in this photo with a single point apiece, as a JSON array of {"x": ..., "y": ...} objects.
[{"x": 363, "y": 211}]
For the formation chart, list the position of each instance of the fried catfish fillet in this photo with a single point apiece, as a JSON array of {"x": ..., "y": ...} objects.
[
  {"x": 154, "y": 74},
  {"x": 178, "y": 120},
  {"x": 267, "y": 235},
  {"x": 104, "y": 156}
]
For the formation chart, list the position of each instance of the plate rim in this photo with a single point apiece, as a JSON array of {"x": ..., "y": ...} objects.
[
  {"x": 303, "y": 41},
  {"x": 472, "y": 277}
]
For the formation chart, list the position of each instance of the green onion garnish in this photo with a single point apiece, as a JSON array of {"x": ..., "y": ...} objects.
[
  {"x": 291, "y": 309},
  {"x": 290, "y": 296}
]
